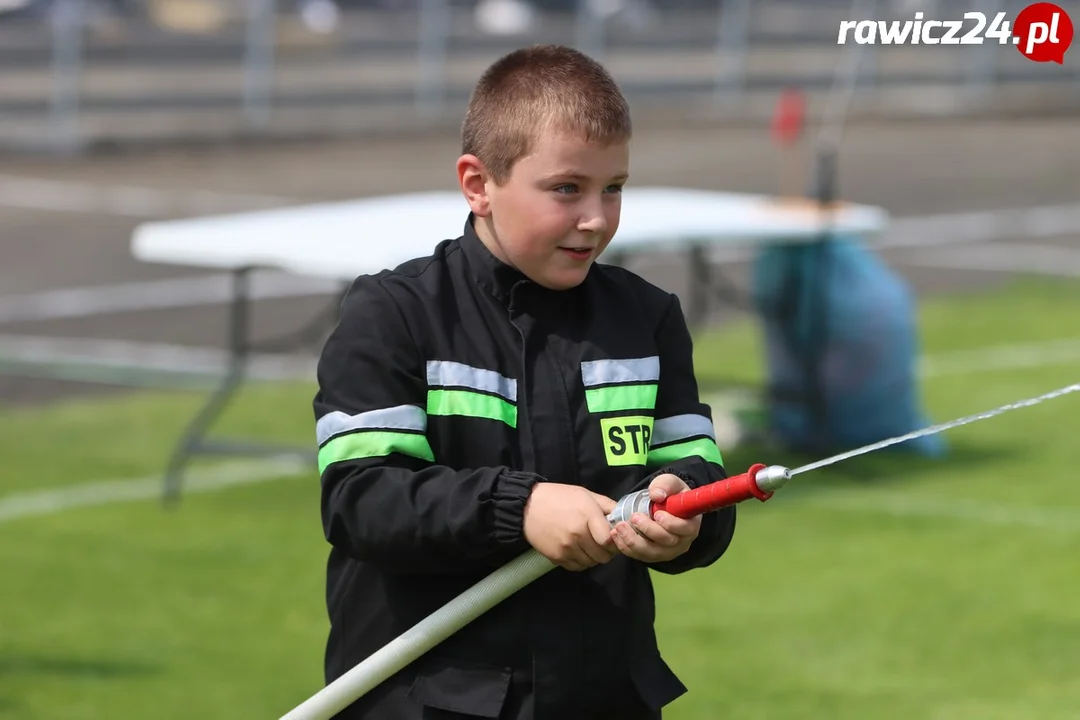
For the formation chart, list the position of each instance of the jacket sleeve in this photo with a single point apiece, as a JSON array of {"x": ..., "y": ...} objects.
[
  {"x": 384, "y": 498},
  {"x": 683, "y": 440}
]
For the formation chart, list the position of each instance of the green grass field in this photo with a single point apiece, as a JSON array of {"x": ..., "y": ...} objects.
[{"x": 887, "y": 587}]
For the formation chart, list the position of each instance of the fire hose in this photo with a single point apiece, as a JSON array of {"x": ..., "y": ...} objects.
[{"x": 758, "y": 482}]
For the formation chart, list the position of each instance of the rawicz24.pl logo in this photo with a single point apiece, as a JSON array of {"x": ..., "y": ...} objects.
[{"x": 1042, "y": 32}]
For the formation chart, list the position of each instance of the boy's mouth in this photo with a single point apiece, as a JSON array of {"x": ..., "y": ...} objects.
[{"x": 578, "y": 253}]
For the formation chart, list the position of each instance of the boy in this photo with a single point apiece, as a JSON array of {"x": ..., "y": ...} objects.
[{"x": 501, "y": 394}]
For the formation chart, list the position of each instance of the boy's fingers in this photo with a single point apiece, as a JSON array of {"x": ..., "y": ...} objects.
[
  {"x": 597, "y": 555},
  {"x": 664, "y": 486},
  {"x": 600, "y": 530},
  {"x": 637, "y": 547},
  {"x": 587, "y": 555},
  {"x": 653, "y": 531},
  {"x": 568, "y": 562},
  {"x": 606, "y": 504},
  {"x": 629, "y": 542},
  {"x": 599, "y": 547},
  {"x": 622, "y": 544},
  {"x": 676, "y": 525}
]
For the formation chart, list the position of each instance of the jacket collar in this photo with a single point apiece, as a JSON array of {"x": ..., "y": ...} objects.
[
  {"x": 488, "y": 271},
  {"x": 500, "y": 279}
]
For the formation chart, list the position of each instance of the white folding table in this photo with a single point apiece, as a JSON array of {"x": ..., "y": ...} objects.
[{"x": 341, "y": 240}]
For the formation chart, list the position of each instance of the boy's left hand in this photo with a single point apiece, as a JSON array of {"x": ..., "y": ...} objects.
[{"x": 662, "y": 538}]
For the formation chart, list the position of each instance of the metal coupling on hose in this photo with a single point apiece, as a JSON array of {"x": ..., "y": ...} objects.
[{"x": 630, "y": 504}]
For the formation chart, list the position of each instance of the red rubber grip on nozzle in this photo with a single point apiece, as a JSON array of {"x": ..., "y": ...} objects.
[{"x": 714, "y": 496}]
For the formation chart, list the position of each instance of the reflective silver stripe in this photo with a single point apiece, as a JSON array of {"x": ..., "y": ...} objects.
[
  {"x": 606, "y": 372},
  {"x": 402, "y": 417},
  {"x": 680, "y": 427},
  {"x": 444, "y": 373}
]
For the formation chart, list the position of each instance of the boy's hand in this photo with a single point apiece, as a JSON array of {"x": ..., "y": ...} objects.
[
  {"x": 662, "y": 538},
  {"x": 568, "y": 525}
]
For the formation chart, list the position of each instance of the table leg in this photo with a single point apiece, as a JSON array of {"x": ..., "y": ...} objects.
[
  {"x": 195, "y": 440},
  {"x": 192, "y": 440},
  {"x": 700, "y": 284}
]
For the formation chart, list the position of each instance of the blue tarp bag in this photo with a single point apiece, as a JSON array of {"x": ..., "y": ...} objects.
[{"x": 867, "y": 355}]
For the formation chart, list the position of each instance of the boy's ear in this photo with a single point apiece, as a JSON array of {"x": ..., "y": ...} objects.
[{"x": 472, "y": 177}]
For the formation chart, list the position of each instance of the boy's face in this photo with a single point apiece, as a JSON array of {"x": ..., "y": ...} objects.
[{"x": 556, "y": 212}]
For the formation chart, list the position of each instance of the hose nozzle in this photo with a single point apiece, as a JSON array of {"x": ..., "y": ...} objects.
[
  {"x": 760, "y": 482},
  {"x": 772, "y": 478}
]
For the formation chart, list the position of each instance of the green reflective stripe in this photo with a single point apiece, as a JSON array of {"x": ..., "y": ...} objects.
[
  {"x": 618, "y": 398},
  {"x": 373, "y": 443},
  {"x": 702, "y": 447},
  {"x": 471, "y": 404}
]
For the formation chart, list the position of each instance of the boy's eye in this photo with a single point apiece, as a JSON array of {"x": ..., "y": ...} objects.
[{"x": 571, "y": 188}]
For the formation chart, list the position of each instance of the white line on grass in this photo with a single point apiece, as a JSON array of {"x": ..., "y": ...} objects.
[
  {"x": 155, "y": 295},
  {"x": 1001, "y": 357},
  {"x": 108, "y": 492},
  {"x": 107, "y": 358},
  {"x": 1001, "y": 257},
  {"x": 909, "y": 506}
]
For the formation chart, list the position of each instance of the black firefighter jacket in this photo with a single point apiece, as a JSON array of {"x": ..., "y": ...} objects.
[{"x": 450, "y": 386}]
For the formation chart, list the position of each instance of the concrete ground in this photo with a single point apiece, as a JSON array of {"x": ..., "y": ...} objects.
[{"x": 66, "y": 223}]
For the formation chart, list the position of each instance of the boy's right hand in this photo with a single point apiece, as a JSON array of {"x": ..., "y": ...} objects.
[{"x": 568, "y": 525}]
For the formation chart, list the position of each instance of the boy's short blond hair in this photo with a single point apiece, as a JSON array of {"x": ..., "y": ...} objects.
[{"x": 543, "y": 88}]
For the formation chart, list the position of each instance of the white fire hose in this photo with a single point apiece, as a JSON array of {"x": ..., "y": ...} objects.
[
  {"x": 759, "y": 482},
  {"x": 423, "y": 636}
]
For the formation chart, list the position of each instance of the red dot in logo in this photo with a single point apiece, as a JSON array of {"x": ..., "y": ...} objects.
[{"x": 1043, "y": 32}]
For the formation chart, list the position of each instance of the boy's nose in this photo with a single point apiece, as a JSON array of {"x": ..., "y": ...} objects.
[{"x": 593, "y": 221}]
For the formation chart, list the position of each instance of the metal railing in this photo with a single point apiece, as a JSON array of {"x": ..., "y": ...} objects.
[{"x": 182, "y": 69}]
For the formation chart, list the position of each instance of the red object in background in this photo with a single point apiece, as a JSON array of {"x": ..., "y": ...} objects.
[{"x": 789, "y": 118}]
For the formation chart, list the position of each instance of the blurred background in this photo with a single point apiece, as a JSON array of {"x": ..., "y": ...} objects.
[
  {"x": 935, "y": 581},
  {"x": 84, "y": 73}
]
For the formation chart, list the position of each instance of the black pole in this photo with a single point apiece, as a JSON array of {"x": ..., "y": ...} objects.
[{"x": 817, "y": 346}]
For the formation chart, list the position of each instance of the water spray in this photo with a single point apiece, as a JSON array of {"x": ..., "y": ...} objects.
[{"x": 759, "y": 482}]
